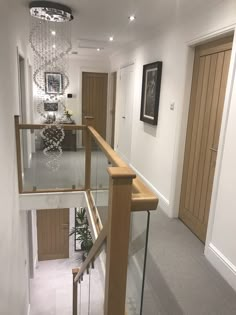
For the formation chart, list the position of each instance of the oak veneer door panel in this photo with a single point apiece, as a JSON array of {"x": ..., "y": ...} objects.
[
  {"x": 53, "y": 233},
  {"x": 210, "y": 74},
  {"x": 94, "y": 99}
]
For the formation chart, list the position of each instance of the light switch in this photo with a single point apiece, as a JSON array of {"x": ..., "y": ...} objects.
[{"x": 172, "y": 106}]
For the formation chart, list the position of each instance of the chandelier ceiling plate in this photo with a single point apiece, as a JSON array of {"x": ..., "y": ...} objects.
[{"x": 50, "y": 11}]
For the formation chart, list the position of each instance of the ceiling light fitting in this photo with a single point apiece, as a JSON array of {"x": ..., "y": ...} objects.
[
  {"x": 111, "y": 38},
  {"x": 132, "y": 18},
  {"x": 50, "y": 11},
  {"x": 51, "y": 43}
]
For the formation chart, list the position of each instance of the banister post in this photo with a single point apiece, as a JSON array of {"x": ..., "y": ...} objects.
[
  {"x": 120, "y": 192},
  {"x": 18, "y": 154},
  {"x": 75, "y": 292},
  {"x": 89, "y": 120}
]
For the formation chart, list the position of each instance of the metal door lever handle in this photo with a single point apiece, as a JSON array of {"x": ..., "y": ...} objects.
[{"x": 213, "y": 149}]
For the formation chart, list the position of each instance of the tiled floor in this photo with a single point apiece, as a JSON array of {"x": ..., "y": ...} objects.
[{"x": 51, "y": 289}]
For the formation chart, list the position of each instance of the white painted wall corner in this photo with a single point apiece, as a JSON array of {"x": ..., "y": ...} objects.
[{"x": 221, "y": 264}]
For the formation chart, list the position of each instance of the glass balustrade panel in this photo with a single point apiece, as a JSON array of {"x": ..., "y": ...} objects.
[
  {"x": 83, "y": 295},
  {"x": 139, "y": 229},
  {"x": 99, "y": 181},
  {"x": 44, "y": 167},
  {"x": 97, "y": 284}
]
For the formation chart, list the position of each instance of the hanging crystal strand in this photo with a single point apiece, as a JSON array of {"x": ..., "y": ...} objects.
[{"x": 50, "y": 50}]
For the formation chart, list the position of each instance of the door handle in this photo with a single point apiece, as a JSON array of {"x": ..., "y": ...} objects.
[
  {"x": 213, "y": 149},
  {"x": 123, "y": 117},
  {"x": 65, "y": 226}
]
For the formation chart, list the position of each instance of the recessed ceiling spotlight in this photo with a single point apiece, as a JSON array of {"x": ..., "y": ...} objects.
[
  {"x": 54, "y": 46},
  {"x": 98, "y": 49},
  {"x": 111, "y": 38},
  {"x": 53, "y": 33},
  {"x": 132, "y": 18}
]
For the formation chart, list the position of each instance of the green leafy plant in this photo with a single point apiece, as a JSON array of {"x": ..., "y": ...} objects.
[{"x": 82, "y": 232}]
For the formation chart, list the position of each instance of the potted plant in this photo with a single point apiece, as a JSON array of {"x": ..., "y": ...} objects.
[
  {"x": 68, "y": 114},
  {"x": 82, "y": 232}
]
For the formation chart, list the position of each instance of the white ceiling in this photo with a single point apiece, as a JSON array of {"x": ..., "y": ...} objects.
[{"x": 96, "y": 20}]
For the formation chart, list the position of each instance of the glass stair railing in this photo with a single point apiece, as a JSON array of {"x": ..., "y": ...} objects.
[
  {"x": 117, "y": 213},
  {"x": 91, "y": 284}
]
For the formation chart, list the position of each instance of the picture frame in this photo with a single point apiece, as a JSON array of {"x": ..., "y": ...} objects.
[
  {"x": 50, "y": 107},
  {"x": 151, "y": 87},
  {"x": 53, "y": 83}
]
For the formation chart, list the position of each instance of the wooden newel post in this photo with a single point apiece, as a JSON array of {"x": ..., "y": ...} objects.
[
  {"x": 120, "y": 193},
  {"x": 89, "y": 122},
  {"x": 75, "y": 291}
]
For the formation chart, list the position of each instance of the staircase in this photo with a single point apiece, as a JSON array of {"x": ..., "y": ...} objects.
[{"x": 120, "y": 234}]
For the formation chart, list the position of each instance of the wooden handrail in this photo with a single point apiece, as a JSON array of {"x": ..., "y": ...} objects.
[
  {"x": 95, "y": 250},
  {"x": 40, "y": 126},
  {"x": 75, "y": 292},
  {"x": 107, "y": 149},
  {"x": 142, "y": 198}
]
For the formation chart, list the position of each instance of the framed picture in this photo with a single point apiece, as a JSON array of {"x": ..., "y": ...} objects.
[
  {"x": 53, "y": 83},
  {"x": 51, "y": 107},
  {"x": 151, "y": 92}
]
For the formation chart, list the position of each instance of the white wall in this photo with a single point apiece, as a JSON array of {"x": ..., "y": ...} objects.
[
  {"x": 153, "y": 147},
  {"x": 157, "y": 152},
  {"x": 13, "y": 223}
]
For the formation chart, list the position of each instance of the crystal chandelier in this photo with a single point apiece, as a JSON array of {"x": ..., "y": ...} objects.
[
  {"x": 50, "y": 39},
  {"x": 50, "y": 11}
]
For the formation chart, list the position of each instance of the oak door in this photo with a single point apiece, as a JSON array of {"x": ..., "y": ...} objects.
[
  {"x": 94, "y": 99},
  {"x": 53, "y": 234},
  {"x": 210, "y": 74}
]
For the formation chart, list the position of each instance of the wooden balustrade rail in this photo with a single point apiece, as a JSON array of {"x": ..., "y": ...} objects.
[
  {"x": 75, "y": 292},
  {"x": 94, "y": 252},
  {"x": 142, "y": 197},
  {"x": 41, "y": 126}
]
